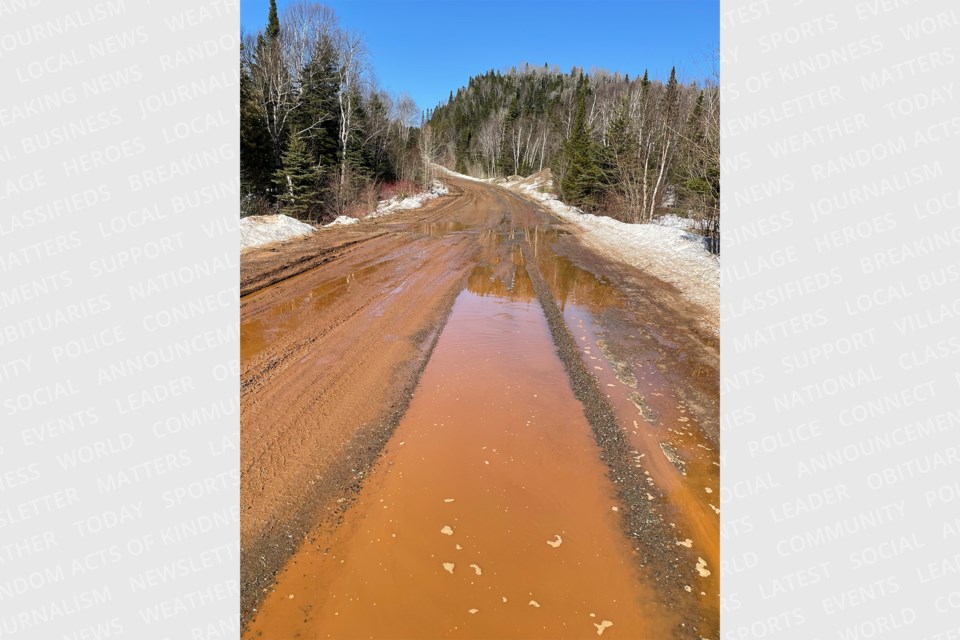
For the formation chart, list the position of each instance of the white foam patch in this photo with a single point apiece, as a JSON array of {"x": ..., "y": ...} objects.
[
  {"x": 446, "y": 530},
  {"x": 448, "y": 566},
  {"x": 702, "y": 568},
  {"x": 477, "y": 569},
  {"x": 604, "y": 624},
  {"x": 556, "y": 542},
  {"x": 685, "y": 543},
  {"x": 534, "y": 603}
]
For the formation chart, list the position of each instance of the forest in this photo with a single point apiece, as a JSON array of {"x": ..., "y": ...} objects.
[
  {"x": 632, "y": 149},
  {"x": 320, "y": 139}
]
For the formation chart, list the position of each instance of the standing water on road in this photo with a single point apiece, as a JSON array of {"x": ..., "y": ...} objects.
[{"x": 489, "y": 515}]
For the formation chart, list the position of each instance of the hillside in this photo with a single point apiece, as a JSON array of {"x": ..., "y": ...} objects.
[{"x": 631, "y": 148}]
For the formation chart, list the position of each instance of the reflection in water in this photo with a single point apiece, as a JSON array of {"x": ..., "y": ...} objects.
[
  {"x": 634, "y": 362},
  {"x": 258, "y": 333},
  {"x": 490, "y": 515},
  {"x": 441, "y": 229},
  {"x": 567, "y": 281},
  {"x": 503, "y": 279},
  {"x": 494, "y": 276}
]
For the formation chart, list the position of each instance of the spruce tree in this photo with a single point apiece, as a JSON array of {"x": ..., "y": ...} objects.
[
  {"x": 268, "y": 52},
  {"x": 273, "y": 22},
  {"x": 319, "y": 118},
  {"x": 581, "y": 183},
  {"x": 297, "y": 181},
  {"x": 256, "y": 156},
  {"x": 505, "y": 162}
]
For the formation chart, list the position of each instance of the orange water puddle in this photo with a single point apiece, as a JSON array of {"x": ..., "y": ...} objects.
[
  {"x": 257, "y": 334},
  {"x": 489, "y": 514},
  {"x": 660, "y": 427}
]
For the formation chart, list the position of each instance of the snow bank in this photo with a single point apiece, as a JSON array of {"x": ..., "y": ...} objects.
[
  {"x": 340, "y": 221},
  {"x": 675, "y": 221},
  {"x": 666, "y": 251},
  {"x": 386, "y": 207},
  {"x": 462, "y": 176},
  {"x": 256, "y": 231}
]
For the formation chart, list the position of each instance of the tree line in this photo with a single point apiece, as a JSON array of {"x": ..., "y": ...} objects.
[
  {"x": 629, "y": 148},
  {"x": 318, "y": 137}
]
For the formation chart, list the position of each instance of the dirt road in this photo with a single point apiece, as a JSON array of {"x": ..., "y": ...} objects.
[{"x": 459, "y": 422}]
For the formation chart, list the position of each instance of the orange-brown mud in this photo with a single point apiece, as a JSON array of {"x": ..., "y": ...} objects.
[{"x": 372, "y": 449}]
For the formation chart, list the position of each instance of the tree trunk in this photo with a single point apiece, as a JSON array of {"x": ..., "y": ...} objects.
[{"x": 656, "y": 187}]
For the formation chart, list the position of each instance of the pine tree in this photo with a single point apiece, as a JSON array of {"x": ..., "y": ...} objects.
[
  {"x": 297, "y": 181},
  {"x": 623, "y": 143},
  {"x": 273, "y": 22},
  {"x": 256, "y": 156},
  {"x": 375, "y": 144},
  {"x": 267, "y": 55},
  {"x": 671, "y": 96},
  {"x": 581, "y": 183},
  {"x": 319, "y": 118},
  {"x": 505, "y": 163}
]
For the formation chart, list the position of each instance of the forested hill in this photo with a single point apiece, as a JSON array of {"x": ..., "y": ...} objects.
[{"x": 627, "y": 147}]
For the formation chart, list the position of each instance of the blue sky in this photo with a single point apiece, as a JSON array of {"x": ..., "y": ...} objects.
[{"x": 428, "y": 48}]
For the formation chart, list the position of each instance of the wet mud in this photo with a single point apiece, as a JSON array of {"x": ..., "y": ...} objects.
[
  {"x": 542, "y": 463},
  {"x": 490, "y": 515}
]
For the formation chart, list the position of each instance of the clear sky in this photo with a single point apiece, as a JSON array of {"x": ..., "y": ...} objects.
[{"x": 427, "y": 48}]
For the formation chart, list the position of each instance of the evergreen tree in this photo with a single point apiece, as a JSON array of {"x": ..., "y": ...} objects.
[
  {"x": 256, "y": 166},
  {"x": 297, "y": 181},
  {"x": 376, "y": 161},
  {"x": 268, "y": 55},
  {"x": 581, "y": 182},
  {"x": 505, "y": 163},
  {"x": 622, "y": 150},
  {"x": 671, "y": 96},
  {"x": 358, "y": 152},
  {"x": 319, "y": 117},
  {"x": 273, "y": 22}
]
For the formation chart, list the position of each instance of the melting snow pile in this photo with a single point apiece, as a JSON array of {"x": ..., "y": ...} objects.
[
  {"x": 451, "y": 172},
  {"x": 256, "y": 231},
  {"x": 387, "y": 207},
  {"x": 667, "y": 251},
  {"x": 342, "y": 220},
  {"x": 671, "y": 220}
]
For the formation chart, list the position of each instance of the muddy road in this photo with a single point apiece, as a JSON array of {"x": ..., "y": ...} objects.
[{"x": 459, "y": 422}]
